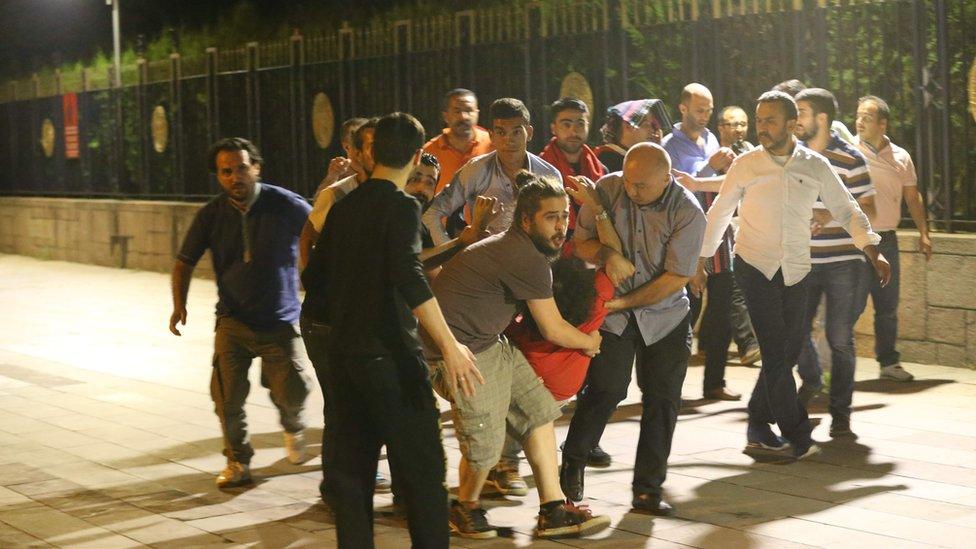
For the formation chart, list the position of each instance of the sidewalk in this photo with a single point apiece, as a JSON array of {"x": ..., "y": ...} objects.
[{"x": 108, "y": 439}]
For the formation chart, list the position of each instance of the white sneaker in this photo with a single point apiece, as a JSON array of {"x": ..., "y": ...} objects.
[
  {"x": 896, "y": 373},
  {"x": 295, "y": 447},
  {"x": 235, "y": 474}
]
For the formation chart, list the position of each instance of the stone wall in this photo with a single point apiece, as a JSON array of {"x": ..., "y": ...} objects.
[
  {"x": 937, "y": 313},
  {"x": 131, "y": 234},
  {"x": 938, "y": 298}
]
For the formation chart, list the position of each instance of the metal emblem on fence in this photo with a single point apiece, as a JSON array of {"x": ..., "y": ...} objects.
[
  {"x": 575, "y": 85},
  {"x": 47, "y": 137},
  {"x": 159, "y": 126},
  {"x": 972, "y": 89},
  {"x": 323, "y": 120}
]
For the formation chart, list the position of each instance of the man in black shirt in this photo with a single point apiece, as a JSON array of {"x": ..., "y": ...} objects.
[{"x": 366, "y": 274}]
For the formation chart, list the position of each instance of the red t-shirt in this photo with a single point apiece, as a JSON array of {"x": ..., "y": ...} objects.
[{"x": 562, "y": 370}]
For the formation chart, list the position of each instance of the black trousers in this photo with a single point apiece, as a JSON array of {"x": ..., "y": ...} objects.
[
  {"x": 716, "y": 329},
  {"x": 661, "y": 369},
  {"x": 372, "y": 401},
  {"x": 314, "y": 335}
]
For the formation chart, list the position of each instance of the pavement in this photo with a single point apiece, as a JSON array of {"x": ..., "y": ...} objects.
[{"x": 108, "y": 439}]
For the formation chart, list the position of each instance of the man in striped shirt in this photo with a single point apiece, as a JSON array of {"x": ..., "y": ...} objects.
[{"x": 835, "y": 260}]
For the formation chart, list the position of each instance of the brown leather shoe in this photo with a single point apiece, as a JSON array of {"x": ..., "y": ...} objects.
[{"x": 722, "y": 393}]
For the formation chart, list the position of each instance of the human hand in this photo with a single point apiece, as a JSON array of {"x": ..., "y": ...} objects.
[
  {"x": 339, "y": 167},
  {"x": 179, "y": 315},
  {"x": 583, "y": 191},
  {"x": 925, "y": 246},
  {"x": 686, "y": 180},
  {"x": 594, "y": 347},
  {"x": 619, "y": 269},
  {"x": 721, "y": 160},
  {"x": 485, "y": 210},
  {"x": 883, "y": 270},
  {"x": 698, "y": 282},
  {"x": 461, "y": 371}
]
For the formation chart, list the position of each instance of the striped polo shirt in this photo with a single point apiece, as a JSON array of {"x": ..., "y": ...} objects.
[{"x": 833, "y": 244}]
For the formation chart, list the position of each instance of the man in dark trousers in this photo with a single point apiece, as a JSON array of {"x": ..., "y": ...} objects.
[{"x": 366, "y": 273}]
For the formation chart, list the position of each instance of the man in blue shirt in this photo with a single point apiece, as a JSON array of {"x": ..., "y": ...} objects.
[{"x": 251, "y": 230}]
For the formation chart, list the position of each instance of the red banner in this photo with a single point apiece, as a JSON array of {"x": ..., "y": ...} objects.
[{"x": 69, "y": 102}]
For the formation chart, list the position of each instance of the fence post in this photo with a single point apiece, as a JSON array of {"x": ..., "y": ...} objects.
[
  {"x": 143, "y": 128},
  {"x": 945, "y": 163},
  {"x": 299, "y": 130},
  {"x": 619, "y": 26},
  {"x": 252, "y": 95},
  {"x": 922, "y": 130},
  {"x": 347, "y": 96},
  {"x": 213, "y": 114},
  {"x": 463, "y": 48},
  {"x": 176, "y": 112},
  {"x": 402, "y": 46}
]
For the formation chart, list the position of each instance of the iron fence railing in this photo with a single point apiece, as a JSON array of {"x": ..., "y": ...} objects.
[{"x": 149, "y": 138}]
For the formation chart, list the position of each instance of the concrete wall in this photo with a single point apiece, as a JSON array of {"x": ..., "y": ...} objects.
[
  {"x": 133, "y": 234},
  {"x": 938, "y": 298}
]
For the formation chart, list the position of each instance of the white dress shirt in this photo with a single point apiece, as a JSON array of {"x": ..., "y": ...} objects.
[{"x": 775, "y": 205}]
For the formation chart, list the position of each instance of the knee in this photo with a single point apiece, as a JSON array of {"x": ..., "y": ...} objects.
[{"x": 481, "y": 442}]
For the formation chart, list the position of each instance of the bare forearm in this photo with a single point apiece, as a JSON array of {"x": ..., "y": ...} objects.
[
  {"x": 430, "y": 317},
  {"x": 438, "y": 255},
  {"x": 608, "y": 235},
  {"x": 180, "y": 282},
  {"x": 563, "y": 334},
  {"x": 654, "y": 291},
  {"x": 592, "y": 251},
  {"x": 916, "y": 208},
  {"x": 305, "y": 243}
]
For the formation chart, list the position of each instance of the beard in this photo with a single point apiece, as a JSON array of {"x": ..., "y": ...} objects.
[
  {"x": 549, "y": 247},
  {"x": 806, "y": 134},
  {"x": 571, "y": 147}
]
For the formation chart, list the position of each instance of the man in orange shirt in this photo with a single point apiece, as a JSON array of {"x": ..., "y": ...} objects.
[{"x": 462, "y": 139}]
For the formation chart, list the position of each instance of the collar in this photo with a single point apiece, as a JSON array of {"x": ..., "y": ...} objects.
[
  {"x": 443, "y": 143},
  {"x": 885, "y": 144},
  {"x": 706, "y": 133},
  {"x": 244, "y": 208}
]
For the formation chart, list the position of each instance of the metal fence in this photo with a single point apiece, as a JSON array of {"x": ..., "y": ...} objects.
[{"x": 148, "y": 139}]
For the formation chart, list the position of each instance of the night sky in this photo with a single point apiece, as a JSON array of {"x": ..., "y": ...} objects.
[{"x": 37, "y": 33}]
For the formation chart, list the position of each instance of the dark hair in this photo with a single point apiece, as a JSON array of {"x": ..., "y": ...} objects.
[
  {"x": 357, "y": 135},
  {"x": 428, "y": 159},
  {"x": 234, "y": 144},
  {"x": 721, "y": 113},
  {"x": 821, "y": 100},
  {"x": 884, "y": 113},
  {"x": 612, "y": 127},
  {"x": 566, "y": 104},
  {"x": 456, "y": 92},
  {"x": 532, "y": 189},
  {"x": 790, "y": 87},
  {"x": 398, "y": 138},
  {"x": 508, "y": 107},
  {"x": 573, "y": 289},
  {"x": 348, "y": 127},
  {"x": 786, "y": 103}
]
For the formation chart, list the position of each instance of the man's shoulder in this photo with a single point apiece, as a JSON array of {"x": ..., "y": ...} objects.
[
  {"x": 750, "y": 157},
  {"x": 683, "y": 199},
  {"x": 475, "y": 165},
  {"x": 435, "y": 143},
  {"x": 543, "y": 167},
  {"x": 844, "y": 154},
  {"x": 281, "y": 194}
]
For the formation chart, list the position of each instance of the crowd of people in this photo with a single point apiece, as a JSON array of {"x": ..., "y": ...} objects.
[{"x": 510, "y": 283}]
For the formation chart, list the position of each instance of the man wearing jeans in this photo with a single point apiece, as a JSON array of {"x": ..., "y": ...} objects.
[
  {"x": 251, "y": 230},
  {"x": 660, "y": 225},
  {"x": 836, "y": 262},
  {"x": 893, "y": 173},
  {"x": 775, "y": 187}
]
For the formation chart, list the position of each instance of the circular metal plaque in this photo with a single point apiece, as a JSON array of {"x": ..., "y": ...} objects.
[
  {"x": 159, "y": 126},
  {"x": 575, "y": 85},
  {"x": 323, "y": 120},
  {"x": 972, "y": 89},
  {"x": 47, "y": 137}
]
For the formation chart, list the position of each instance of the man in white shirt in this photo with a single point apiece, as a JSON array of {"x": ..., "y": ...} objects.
[
  {"x": 775, "y": 187},
  {"x": 893, "y": 173}
]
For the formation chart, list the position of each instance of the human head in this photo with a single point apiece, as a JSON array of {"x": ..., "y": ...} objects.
[
  {"x": 541, "y": 211},
  {"x": 647, "y": 172},
  {"x": 361, "y": 152},
  {"x": 346, "y": 131},
  {"x": 460, "y": 112},
  {"x": 775, "y": 120},
  {"x": 237, "y": 164},
  {"x": 423, "y": 181},
  {"x": 573, "y": 289},
  {"x": 790, "y": 87},
  {"x": 569, "y": 123},
  {"x": 511, "y": 128},
  {"x": 733, "y": 125},
  {"x": 398, "y": 140},
  {"x": 816, "y": 109},
  {"x": 633, "y": 122},
  {"x": 696, "y": 107},
  {"x": 872, "y": 118}
]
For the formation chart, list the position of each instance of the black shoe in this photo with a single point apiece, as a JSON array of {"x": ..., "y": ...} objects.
[
  {"x": 598, "y": 458},
  {"x": 806, "y": 394},
  {"x": 571, "y": 480},
  {"x": 840, "y": 427},
  {"x": 470, "y": 523},
  {"x": 650, "y": 504},
  {"x": 568, "y": 520}
]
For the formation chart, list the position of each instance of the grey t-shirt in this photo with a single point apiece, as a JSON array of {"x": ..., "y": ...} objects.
[{"x": 479, "y": 289}]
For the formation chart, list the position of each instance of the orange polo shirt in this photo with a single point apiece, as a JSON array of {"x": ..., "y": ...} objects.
[{"x": 452, "y": 159}]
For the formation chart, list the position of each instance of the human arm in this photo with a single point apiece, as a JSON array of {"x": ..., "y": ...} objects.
[
  {"x": 180, "y": 285},
  {"x": 649, "y": 293},
  {"x": 485, "y": 210},
  {"x": 557, "y": 331},
  {"x": 340, "y": 167},
  {"x": 916, "y": 208},
  {"x": 585, "y": 193},
  {"x": 459, "y": 361},
  {"x": 722, "y": 208},
  {"x": 305, "y": 243},
  {"x": 444, "y": 204},
  {"x": 698, "y": 184},
  {"x": 719, "y": 162}
]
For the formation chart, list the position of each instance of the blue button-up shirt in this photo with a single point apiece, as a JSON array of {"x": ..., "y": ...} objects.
[
  {"x": 688, "y": 156},
  {"x": 665, "y": 235}
]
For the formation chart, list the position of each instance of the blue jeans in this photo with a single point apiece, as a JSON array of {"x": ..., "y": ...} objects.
[
  {"x": 777, "y": 312},
  {"x": 840, "y": 282},
  {"x": 885, "y": 301}
]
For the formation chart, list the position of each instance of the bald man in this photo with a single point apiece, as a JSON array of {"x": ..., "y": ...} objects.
[{"x": 648, "y": 320}]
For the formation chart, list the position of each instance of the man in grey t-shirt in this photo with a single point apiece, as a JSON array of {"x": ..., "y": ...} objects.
[
  {"x": 479, "y": 291},
  {"x": 661, "y": 227}
]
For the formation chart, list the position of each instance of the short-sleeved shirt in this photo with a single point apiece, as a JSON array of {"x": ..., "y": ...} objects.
[
  {"x": 891, "y": 170},
  {"x": 479, "y": 289},
  {"x": 665, "y": 235},
  {"x": 254, "y": 255},
  {"x": 452, "y": 159},
  {"x": 833, "y": 243},
  {"x": 689, "y": 156}
]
